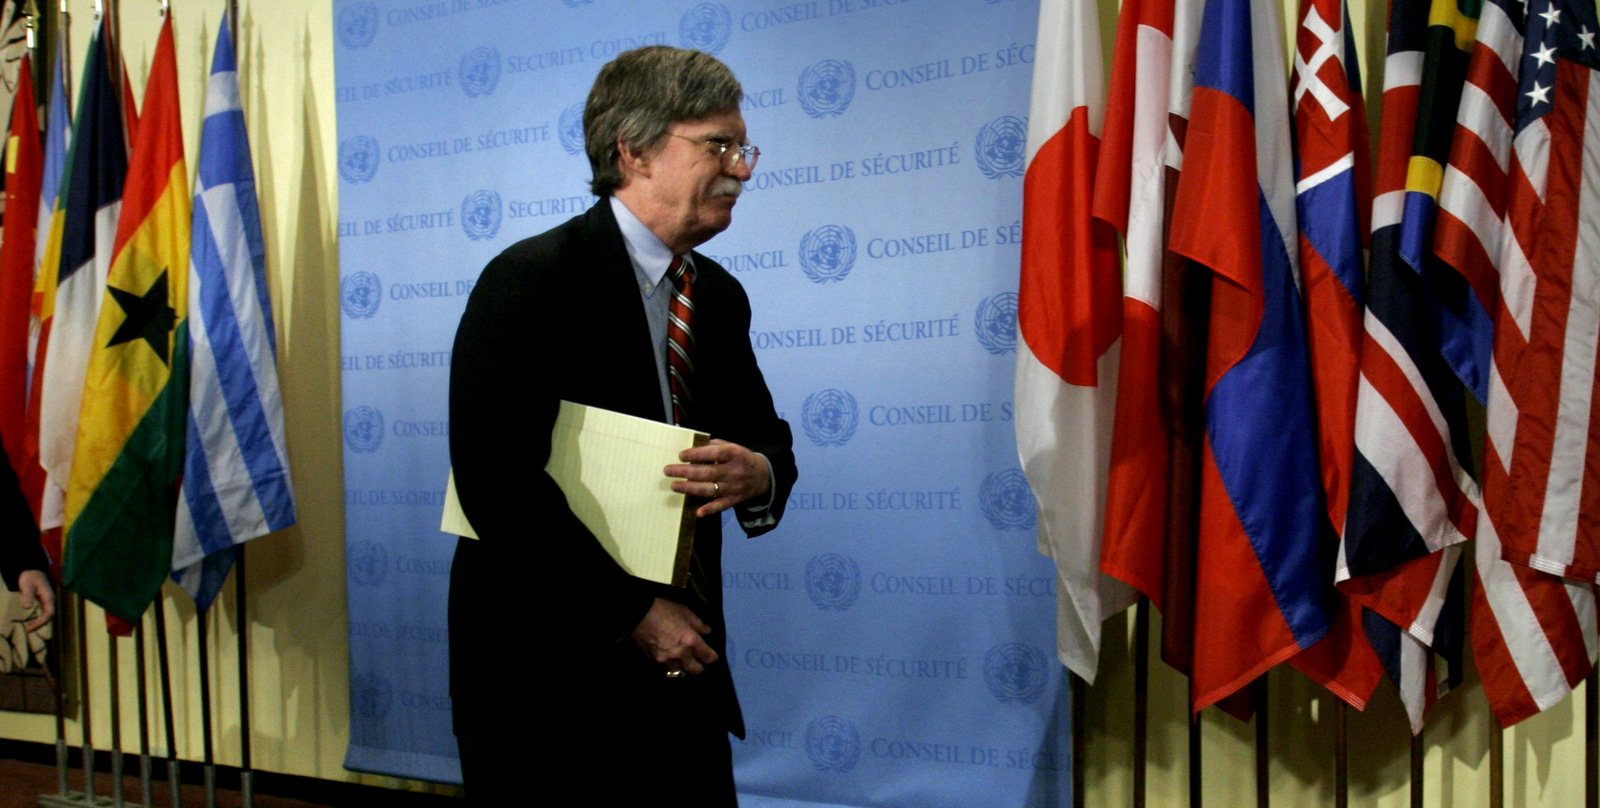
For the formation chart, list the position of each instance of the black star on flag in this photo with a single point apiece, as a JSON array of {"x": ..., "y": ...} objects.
[{"x": 148, "y": 318}]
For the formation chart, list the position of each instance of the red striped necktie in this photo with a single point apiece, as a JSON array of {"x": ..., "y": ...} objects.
[
  {"x": 680, "y": 341},
  {"x": 680, "y": 377}
]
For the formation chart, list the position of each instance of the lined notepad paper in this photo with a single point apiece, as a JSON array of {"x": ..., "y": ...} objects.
[{"x": 609, "y": 466}]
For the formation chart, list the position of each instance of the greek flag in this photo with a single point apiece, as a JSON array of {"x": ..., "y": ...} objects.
[{"x": 236, "y": 473}]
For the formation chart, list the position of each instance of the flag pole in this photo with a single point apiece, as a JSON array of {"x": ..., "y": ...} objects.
[
  {"x": 65, "y": 35},
  {"x": 1141, "y": 699},
  {"x": 145, "y": 790},
  {"x": 1497, "y": 763},
  {"x": 205, "y": 711},
  {"x": 1591, "y": 739},
  {"x": 1080, "y": 721},
  {"x": 175, "y": 790},
  {"x": 1418, "y": 753},
  {"x": 113, "y": 646},
  {"x": 1194, "y": 752},
  {"x": 246, "y": 776},
  {"x": 1263, "y": 757},
  {"x": 1341, "y": 754},
  {"x": 85, "y": 730},
  {"x": 59, "y": 642}
]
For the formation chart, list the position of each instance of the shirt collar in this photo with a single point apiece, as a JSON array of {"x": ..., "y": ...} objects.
[{"x": 649, "y": 255}]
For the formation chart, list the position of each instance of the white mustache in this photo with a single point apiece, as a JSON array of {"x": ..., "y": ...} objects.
[{"x": 727, "y": 186}]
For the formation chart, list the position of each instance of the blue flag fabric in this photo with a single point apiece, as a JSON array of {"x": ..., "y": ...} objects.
[{"x": 236, "y": 482}]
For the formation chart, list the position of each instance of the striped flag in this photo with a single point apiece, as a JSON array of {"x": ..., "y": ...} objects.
[
  {"x": 1155, "y": 445},
  {"x": 1411, "y": 498},
  {"x": 121, "y": 500},
  {"x": 47, "y": 232},
  {"x": 1260, "y": 573},
  {"x": 1069, "y": 315},
  {"x": 24, "y": 166},
  {"x": 1517, "y": 202},
  {"x": 1332, "y": 182},
  {"x": 77, "y": 258},
  {"x": 236, "y": 473}
]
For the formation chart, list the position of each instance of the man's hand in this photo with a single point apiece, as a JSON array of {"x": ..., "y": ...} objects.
[
  {"x": 725, "y": 473},
  {"x": 34, "y": 587},
  {"x": 670, "y": 634}
]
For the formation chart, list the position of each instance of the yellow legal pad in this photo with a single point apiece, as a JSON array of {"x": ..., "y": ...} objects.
[{"x": 609, "y": 466}]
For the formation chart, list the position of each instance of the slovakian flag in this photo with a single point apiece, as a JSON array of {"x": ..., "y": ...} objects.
[
  {"x": 1152, "y": 482},
  {"x": 1332, "y": 194},
  {"x": 1261, "y": 575},
  {"x": 24, "y": 167},
  {"x": 73, "y": 271},
  {"x": 122, "y": 498},
  {"x": 1516, "y": 204},
  {"x": 236, "y": 473},
  {"x": 1069, "y": 316}
]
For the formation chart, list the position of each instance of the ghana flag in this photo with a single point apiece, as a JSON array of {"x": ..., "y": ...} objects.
[{"x": 122, "y": 496}]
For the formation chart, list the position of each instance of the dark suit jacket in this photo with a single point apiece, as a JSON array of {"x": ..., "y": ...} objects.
[
  {"x": 20, "y": 550},
  {"x": 559, "y": 316}
]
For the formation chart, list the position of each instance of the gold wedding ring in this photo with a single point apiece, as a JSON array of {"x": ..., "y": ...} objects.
[
  {"x": 716, "y": 489},
  {"x": 677, "y": 674}
]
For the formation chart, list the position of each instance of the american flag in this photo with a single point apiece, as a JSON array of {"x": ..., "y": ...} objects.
[{"x": 1518, "y": 222}]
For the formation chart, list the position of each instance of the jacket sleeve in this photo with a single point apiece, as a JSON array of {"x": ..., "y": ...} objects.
[
  {"x": 746, "y": 414},
  {"x": 502, "y": 409},
  {"x": 20, "y": 550}
]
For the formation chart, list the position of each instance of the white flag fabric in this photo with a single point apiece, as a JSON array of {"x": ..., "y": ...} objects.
[{"x": 236, "y": 482}]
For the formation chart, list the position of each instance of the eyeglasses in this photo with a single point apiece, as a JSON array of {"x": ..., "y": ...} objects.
[{"x": 730, "y": 155}]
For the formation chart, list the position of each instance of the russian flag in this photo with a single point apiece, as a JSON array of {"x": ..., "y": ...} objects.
[{"x": 1261, "y": 577}]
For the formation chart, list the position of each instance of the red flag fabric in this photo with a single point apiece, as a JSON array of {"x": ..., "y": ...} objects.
[{"x": 1069, "y": 317}]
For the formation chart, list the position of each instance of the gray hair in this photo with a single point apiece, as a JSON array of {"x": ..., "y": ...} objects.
[{"x": 642, "y": 93}]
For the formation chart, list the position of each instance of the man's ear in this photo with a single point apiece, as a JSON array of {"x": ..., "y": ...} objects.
[{"x": 632, "y": 162}]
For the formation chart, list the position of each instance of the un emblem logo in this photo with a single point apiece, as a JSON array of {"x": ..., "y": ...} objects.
[
  {"x": 996, "y": 323},
  {"x": 829, "y": 417},
  {"x": 359, "y": 294},
  {"x": 705, "y": 27},
  {"x": 827, "y": 87},
  {"x": 366, "y": 562},
  {"x": 480, "y": 71},
  {"x": 371, "y": 696},
  {"x": 833, "y": 581},
  {"x": 1007, "y": 501},
  {"x": 1016, "y": 672},
  {"x": 358, "y": 158},
  {"x": 570, "y": 129},
  {"x": 827, "y": 253},
  {"x": 363, "y": 429},
  {"x": 480, "y": 215},
  {"x": 1000, "y": 147},
  {"x": 357, "y": 25},
  {"x": 833, "y": 744}
]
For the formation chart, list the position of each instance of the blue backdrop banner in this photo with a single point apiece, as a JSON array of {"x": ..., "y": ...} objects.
[{"x": 892, "y": 639}]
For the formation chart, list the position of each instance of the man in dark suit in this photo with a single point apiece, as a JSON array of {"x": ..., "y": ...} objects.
[{"x": 624, "y": 694}]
